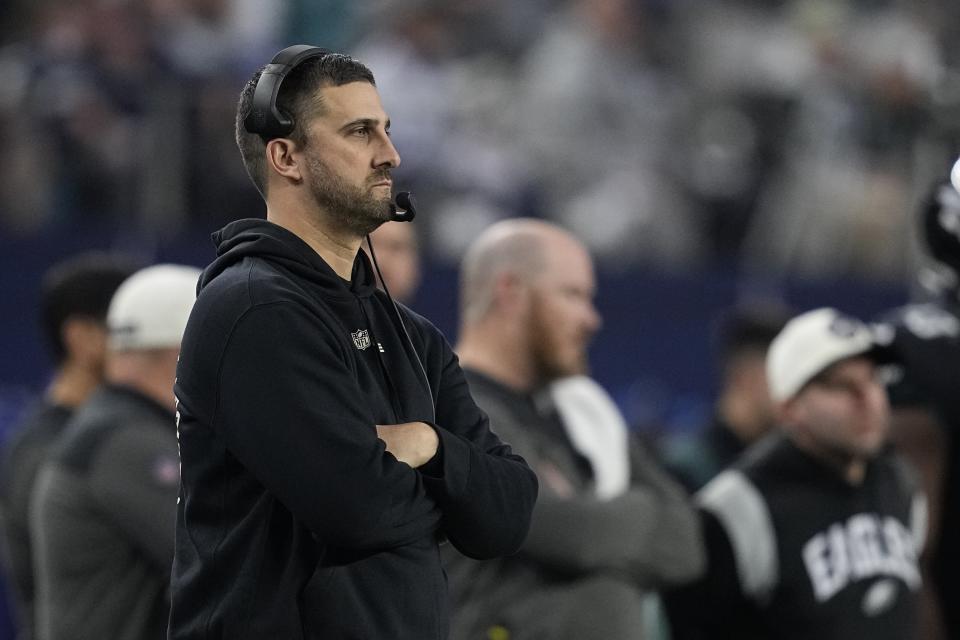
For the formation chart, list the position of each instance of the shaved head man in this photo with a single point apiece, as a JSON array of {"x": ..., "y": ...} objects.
[
  {"x": 527, "y": 291},
  {"x": 609, "y": 524}
]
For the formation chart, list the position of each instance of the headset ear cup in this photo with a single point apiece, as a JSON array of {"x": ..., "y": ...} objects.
[
  {"x": 284, "y": 122},
  {"x": 265, "y": 119}
]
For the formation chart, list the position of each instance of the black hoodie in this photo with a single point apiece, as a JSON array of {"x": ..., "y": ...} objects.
[{"x": 293, "y": 522}]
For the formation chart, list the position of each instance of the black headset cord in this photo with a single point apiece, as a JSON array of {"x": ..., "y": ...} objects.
[{"x": 406, "y": 333}]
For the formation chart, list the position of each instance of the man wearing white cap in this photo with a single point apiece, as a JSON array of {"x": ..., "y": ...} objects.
[
  {"x": 104, "y": 506},
  {"x": 815, "y": 532}
]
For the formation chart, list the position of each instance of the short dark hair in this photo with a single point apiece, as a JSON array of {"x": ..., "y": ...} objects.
[
  {"x": 748, "y": 328},
  {"x": 296, "y": 98},
  {"x": 79, "y": 287}
]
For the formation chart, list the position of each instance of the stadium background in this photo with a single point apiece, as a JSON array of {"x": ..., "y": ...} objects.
[{"x": 710, "y": 153}]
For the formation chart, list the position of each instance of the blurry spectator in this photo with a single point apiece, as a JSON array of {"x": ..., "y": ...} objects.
[
  {"x": 815, "y": 532},
  {"x": 743, "y": 62},
  {"x": 74, "y": 298},
  {"x": 120, "y": 96},
  {"x": 25, "y": 185},
  {"x": 209, "y": 38},
  {"x": 745, "y": 47},
  {"x": 414, "y": 51},
  {"x": 398, "y": 257},
  {"x": 836, "y": 205},
  {"x": 91, "y": 77},
  {"x": 926, "y": 407},
  {"x": 785, "y": 130},
  {"x": 744, "y": 411},
  {"x": 608, "y": 524},
  {"x": 332, "y": 24},
  {"x": 458, "y": 138},
  {"x": 600, "y": 113},
  {"x": 104, "y": 504}
]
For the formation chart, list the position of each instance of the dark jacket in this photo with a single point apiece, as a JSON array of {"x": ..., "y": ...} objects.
[
  {"x": 22, "y": 460},
  {"x": 101, "y": 521},
  {"x": 926, "y": 341},
  {"x": 293, "y": 521},
  {"x": 647, "y": 536},
  {"x": 796, "y": 552}
]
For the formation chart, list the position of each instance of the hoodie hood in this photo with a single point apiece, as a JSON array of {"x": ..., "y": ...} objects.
[{"x": 269, "y": 241}]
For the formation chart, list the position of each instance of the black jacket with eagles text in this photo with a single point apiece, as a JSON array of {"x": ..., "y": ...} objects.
[
  {"x": 293, "y": 521},
  {"x": 796, "y": 552}
]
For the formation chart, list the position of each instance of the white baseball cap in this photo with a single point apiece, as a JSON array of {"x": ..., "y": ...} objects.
[
  {"x": 811, "y": 342},
  {"x": 150, "y": 309}
]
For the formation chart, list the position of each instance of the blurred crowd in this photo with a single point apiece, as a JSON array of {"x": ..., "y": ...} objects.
[{"x": 788, "y": 136}]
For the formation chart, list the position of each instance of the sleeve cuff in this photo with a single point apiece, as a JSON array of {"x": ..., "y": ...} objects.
[
  {"x": 448, "y": 470},
  {"x": 433, "y": 467}
]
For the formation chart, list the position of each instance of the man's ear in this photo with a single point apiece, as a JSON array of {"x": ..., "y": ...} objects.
[
  {"x": 788, "y": 412},
  {"x": 283, "y": 159},
  {"x": 509, "y": 291}
]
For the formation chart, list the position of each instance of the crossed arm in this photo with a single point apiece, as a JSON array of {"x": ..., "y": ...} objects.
[{"x": 307, "y": 433}]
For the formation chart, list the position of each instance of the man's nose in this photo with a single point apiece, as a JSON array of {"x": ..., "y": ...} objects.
[
  {"x": 593, "y": 320},
  {"x": 387, "y": 155}
]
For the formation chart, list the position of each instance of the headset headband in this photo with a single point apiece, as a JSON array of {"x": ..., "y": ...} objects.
[{"x": 265, "y": 119}]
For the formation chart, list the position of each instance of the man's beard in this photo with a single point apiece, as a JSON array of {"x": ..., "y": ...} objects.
[
  {"x": 548, "y": 363},
  {"x": 351, "y": 208}
]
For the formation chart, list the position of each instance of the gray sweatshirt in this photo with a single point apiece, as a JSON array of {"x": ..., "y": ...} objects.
[
  {"x": 102, "y": 522},
  {"x": 647, "y": 537}
]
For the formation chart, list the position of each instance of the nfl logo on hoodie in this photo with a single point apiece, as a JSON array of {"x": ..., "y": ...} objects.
[{"x": 361, "y": 338}]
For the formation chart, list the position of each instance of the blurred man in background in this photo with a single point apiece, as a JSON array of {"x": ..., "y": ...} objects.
[
  {"x": 74, "y": 298},
  {"x": 743, "y": 412},
  {"x": 398, "y": 256},
  {"x": 926, "y": 405},
  {"x": 608, "y": 524},
  {"x": 815, "y": 531},
  {"x": 104, "y": 505}
]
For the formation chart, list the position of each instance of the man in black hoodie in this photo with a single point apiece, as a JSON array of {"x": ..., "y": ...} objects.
[{"x": 328, "y": 441}]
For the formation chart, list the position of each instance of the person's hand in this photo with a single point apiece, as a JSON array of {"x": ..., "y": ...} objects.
[{"x": 413, "y": 443}]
